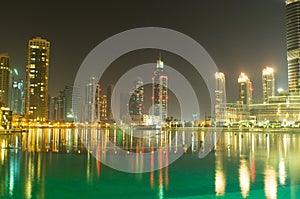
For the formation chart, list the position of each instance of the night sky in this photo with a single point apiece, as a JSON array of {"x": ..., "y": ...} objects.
[{"x": 240, "y": 35}]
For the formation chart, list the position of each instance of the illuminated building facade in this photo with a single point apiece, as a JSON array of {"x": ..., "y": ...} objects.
[
  {"x": 293, "y": 45},
  {"x": 37, "y": 72},
  {"x": 136, "y": 102},
  {"x": 4, "y": 78},
  {"x": 245, "y": 89},
  {"x": 100, "y": 105},
  {"x": 160, "y": 92},
  {"x": 268, "y": 83}
]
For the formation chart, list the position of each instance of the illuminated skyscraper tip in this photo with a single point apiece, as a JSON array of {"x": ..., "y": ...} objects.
[{"x": 37, "y": 70}]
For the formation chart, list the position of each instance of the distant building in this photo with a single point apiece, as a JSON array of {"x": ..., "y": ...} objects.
[
  {"x": 68, "y": 102},
  {"x": 160, "y": 92},
  {"x": 4, "y": 78},
  {"x": 101, "y": 105},
  {"x": 245, "y": 89},
  {"x": 283, "y": 108},
  {"x": 293, "y": 45},
  {"x": 17, "y": 94},
  {"x": 136, "y": 102},
  {"x": 220, "y": 88},
  {"x": 220, "y": 98},
  {"x": 37, "y": 73},
  {"x": 109, "y": 97},
  {"x": 90, "y": 107},
  {"x": 268, "y": 83}
]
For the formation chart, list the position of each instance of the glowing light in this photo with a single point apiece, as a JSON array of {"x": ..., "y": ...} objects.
[
  {"x": 270, "y": 183},
  {"x": 219, "y": 75},
  {"x": 244, "y": 178},
  {"x": 243, "y": 78},
  {"x": 268, "y": 71}
]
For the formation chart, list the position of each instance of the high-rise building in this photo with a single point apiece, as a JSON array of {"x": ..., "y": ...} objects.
[
  {"x": 68, "y": 103},
  {"x": 109, "y": 97},
  {"x": 90, "y": 111},
  {"x": 220, "y": 100},
  {"x": 220, "y": 88},
  {"x": 293, "y": 45},
  {"x": 160, "y": 92},
  {"x": 100, "y": 104},
  {"x": 245, "y": 89},
  {"x": 37, "y": 72},
  {"x": 17, "y": 94},
  {"x": 136, "y": 102},
  {"x": 268, "y": 82},
  {"x": 4, "y": 78}
]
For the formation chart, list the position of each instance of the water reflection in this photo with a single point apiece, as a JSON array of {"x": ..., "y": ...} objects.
[{"x": 242, "y": 162}]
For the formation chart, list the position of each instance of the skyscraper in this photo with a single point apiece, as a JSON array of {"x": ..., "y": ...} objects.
[
  {"x": 109, "y": 97},
  {"x": 160, "y": 92},
  {"x": 68, "y": 103},
  {"x": 17, "y": 94},
  {"x": 220, "y": 88},
  {"x": 245, "y": 89},
  {"x": 4, "y": 78},
  {"x": 293, "y": 45},
  {"x": 220, "y": 92},
  {"x": 37, "y": 71},
  {"x": 90, "y": 111},
  {"x": 100, "y": 104},
  {"x": 136, "y": 102},
  {"x": 268, "y": 82}
]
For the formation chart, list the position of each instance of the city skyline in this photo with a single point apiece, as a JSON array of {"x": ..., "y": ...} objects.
[{"x": 247, "y": 46}]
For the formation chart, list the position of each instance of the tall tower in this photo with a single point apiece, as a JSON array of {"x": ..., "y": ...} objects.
[
  {"x": 268, "y": 82},
  {"x": 136, "y": 102},
  {"x": 17, "y": 94},
  {"x": 220, "y": 92},
  {"x": 90, "y": 111},
  {"x": 4, "y": 78},
  {"x": 220, "y": 88},
  {"x": 160, "y": 91},
  {"x": 293, "y": 45},
  {"x": 37, "y": 72},
  {"x": 245, "y": 89},
  {"x": 109, "y": 97}
]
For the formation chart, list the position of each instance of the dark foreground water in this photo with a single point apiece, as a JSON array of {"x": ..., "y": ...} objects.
[{"x": 54, "y": 163}]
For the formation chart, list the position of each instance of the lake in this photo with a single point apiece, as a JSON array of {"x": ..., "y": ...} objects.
[{"x": 86, "y": 163}]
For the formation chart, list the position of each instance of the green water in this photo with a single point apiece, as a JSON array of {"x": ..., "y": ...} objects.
[{"x": 54, "y": 164}]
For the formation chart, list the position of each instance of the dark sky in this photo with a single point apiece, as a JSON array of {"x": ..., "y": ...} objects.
[{"x": 240, "y": 35}]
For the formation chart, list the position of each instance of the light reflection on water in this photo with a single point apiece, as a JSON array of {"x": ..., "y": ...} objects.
[{"x": 244, "y": 164}]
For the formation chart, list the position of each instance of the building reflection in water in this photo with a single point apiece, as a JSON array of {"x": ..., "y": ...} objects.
[
  {"x": 270, "y": 183},
  {"x": 270, "y": 154},
  {"x": 244, "y": 178},
  {"x": 220, "y": 181}
]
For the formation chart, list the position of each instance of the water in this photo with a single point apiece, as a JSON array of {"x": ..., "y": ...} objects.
[{"x": 54, "y": 163}]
